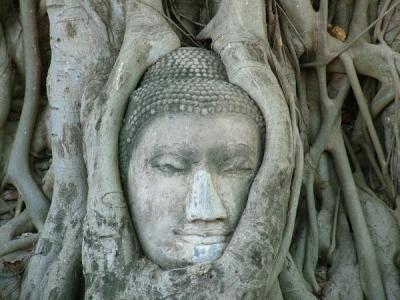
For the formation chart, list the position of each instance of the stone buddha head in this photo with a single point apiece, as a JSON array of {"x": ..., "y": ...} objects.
[{"x": 190, "y": 146}]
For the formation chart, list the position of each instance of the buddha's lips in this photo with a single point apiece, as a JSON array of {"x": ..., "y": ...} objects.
[
  {"x": 196, "y": 239},
  {"x": 209, "y": 231}
]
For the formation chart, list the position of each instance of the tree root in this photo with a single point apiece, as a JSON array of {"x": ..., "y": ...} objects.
[
  {"x": 55, "y": 269},
  {"x": 370, "y": 273},
  {"x": 293, "y": 284},
  {"x": 103, "y": 117},
  {"x": 5, "y": 80},
  {"x": 41, "y": 136},
  {"x": 109, "y": 246},
  {"x": 385, "y": 236},
  {"x": 16, "y": 226},
  {"x": 364, "y": 110},
  {"x": 326, "y": 190},
  {"x": 344, "y": 274},
  {"x": 18, "y": 171},
  {"x": 298, "y": 247},
  {"x": 362, "y": 52},
  {"x": 6, "y": 207},
  {"x": 18, "y": 244},
  {"x": 330, "y": 109},
  {"x": 5, "y": 97}
]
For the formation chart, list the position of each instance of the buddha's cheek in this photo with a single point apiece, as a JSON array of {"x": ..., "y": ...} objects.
[{"x": 158, "y": 206}]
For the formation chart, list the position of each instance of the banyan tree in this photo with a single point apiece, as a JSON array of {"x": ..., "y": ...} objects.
[{"x": 199, "y": 149}]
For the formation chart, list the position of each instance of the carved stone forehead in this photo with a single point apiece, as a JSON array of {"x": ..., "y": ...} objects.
[{"x": 191, "y": 80}]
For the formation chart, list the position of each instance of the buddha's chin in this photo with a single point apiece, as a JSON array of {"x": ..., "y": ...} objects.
[
  {"x": 196, "y": 254},
  {"x": 203, "y": 249},
  {"x": 207, "y": 252},
  {"x": 190, "y": 250}
]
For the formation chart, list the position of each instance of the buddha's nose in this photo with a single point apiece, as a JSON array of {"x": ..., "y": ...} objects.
[{"x": 203, "y": 203}]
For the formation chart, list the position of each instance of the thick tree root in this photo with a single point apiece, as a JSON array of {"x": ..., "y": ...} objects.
[
  {"x": 55, "y": 271},
  {"x": 147, "y": 37}
]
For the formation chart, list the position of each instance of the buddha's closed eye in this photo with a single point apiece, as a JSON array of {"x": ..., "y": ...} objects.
[
  {"x": 237, "y": 164},
  {"x": 173, "y": 164},
  {"x": 170, "y": 164}
]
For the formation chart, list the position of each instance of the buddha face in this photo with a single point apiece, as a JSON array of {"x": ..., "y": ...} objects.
[{"x": 188, "y": 181}]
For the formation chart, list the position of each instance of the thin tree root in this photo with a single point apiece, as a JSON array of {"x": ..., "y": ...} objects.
[
  {"x": 370, "y": 274},
  {"x": 6, "y": 207},
  {"x": 374, "y": 164},
  {"x": 312, "y": 244},
  {"x": 18, "y": 207},
  {"x": 298, "y": 247},
  {"x": 18, "y": 171},
  {"x": 382, "y": 99},
  {"x": 16, "y": 226},
  {"x": 334, "y": 226},
  {"x": 344, "y": 274},
  {"x": 362, "y": 104},
  {"x": 330, "y": 110},
  {"x": 5, "y": 80},
  {"x": 19, "y": 244},
  {"x": 5, "y": 96},
  {"x": 327, "y": 187},
  {"x": 292, "y": 283}
]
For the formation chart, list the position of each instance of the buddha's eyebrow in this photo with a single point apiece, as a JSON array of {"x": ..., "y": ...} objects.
[
  {"x": 184, "y": 151},
  {"x": 223, "y": 151}
]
